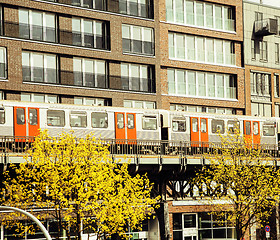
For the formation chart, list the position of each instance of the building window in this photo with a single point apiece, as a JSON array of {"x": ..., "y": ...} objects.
[
  {"x": 263, "y": 50},
  {"x": 201, "y": 84},
  {"x": 93, "y": 4},
  {"x": 137, "y": 77},
  {"x": 196, "y": 13},
  {"x": 192, "y": 108},
  {"x": 260, "y": 84},
  {"x": 277, "y": 53},
  {"x": 139, "y": 104},
  {"x": 276, "y": 85},
  {"x": 139, "y": 8},
  {"x": 277, "y": 110},
  {"x": 3, "y": 63},
  {"x": 36, "y": 97},
  {"x": 37, "y": 25},
  {"x": 90, "y": 73},
  {"x": 89, "y": 33},
  {"x": 278, "y": 24},
  {"x": 92, "y": 101},
  {"x": 201, "y": 49},
  {"x": 2, "y": 95},
  {"x": 258, "y": 16},
  {"x": 261, "y": 109},
  {"x": 253, "y": 49},
  {"x": 137, "y": 39},
  {"x": 39, "y": 67}
]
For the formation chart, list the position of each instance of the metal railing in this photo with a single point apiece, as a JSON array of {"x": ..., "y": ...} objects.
[{"x": 20, "y": 145}]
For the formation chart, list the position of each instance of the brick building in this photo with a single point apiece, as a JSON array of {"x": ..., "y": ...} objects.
[{"x": 174, "y": 54}]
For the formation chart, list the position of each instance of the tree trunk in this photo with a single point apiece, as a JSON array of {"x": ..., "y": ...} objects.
[{"x": 163, "y": 218}]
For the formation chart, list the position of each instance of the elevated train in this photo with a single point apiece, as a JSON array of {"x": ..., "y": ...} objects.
[{"x": 24, "y": 119}]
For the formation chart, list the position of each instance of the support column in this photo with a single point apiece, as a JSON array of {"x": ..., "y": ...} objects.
[{"x": 163, "y": 218}]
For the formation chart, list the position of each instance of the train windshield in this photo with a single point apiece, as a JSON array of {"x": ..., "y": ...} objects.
[
  {"x": 99, "y": 120},
  {"x": 2, "y": 115},
  {"x": 149, "y": 122},
  {"x": 179, "y": 124},
  {"x": 78, "y": 119},
  {"x": 56, "y": 118},
  {"x": 268, "y": 130}
]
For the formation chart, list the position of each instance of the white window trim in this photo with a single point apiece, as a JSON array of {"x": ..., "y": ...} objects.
[
  {"x": 197, "y": 85},
  {"x": 204, "y": 19},
  {"x": 205, "y": 50}
]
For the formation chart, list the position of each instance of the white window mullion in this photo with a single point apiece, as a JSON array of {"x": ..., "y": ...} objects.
[
  {"x": 196, "y": 85},
  {"x": 95, "y": 72},
  {"x": 206, "y": 83},
  {"x": 195, "y": 47},
  {"x": 204, "y": 15},
  {"x": 45, "y": 66},
  {"x": 186, "y": 48},
  {"x": 82, "y": 31},
  {"x": 216, "y": 88},
  {"x": 31, "y": 66},
  {"x": 44, "y": 26},
  {"x": 223, "y": 17},
  {"x": 184, "y": 12},
  {"x": 224, "y": 52},
  {"x": 194, "y": 13},
  {"x": 141, "y": 78},
  {"x": 214, "y": 16},
  {"x": 129, "y": 77},
  {"x": 176, "y": 82},
  {"x": 83, "y": 68},
  {"x": 175, "y": 44},
  {"x": 94, "y": 33},
  {"x": 225, "y": 87},
  {"x": 186, "y": 81},
  {"x": 30, "y": 23},
  {"x": 142, "y": 39}
]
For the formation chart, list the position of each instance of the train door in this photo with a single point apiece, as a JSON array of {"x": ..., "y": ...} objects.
[
  {"x": 248, "y": 132},
  {"x": 256, "y": 133},
  {"x": 199, "y": 131},
  {"x": 26, "y": 121},
  {"x": 125, "y": 125},
  {"x": 252, "y": 132}
]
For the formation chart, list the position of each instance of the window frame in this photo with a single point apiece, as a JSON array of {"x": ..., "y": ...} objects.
[
  {"x": 105, "y": 119},
  {"x": 58, "y": 111},
  {"x": 215, "y": 123},
  {"x": 149, "y": 117}
]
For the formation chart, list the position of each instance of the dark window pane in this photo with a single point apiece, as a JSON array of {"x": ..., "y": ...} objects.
[
  {"x": 37, "y": 32},
  {"x": 135, "y": 84},
  {"x": 126, "y": 44},
  {"x": 205, "y": 234},
  {"x": 77, "y": 38},
  {"x": 89, "y": 40},
  {"x": 125, "y": 83},
  {"x": 190, "y": 221},
  {"x": 101, "y": 80},
  {"x": 3, "y": 70},
  {"x": 78, "y": 78},
  {"x": 204, "y": 220},
  {"x": 100, "y": 5},
  {"x": 137, "y": 46},
  {"x": 145, "y": 85},
  {"x": 38, "y": 74},
  {"x": 122, "y": 6},
  {"x": 24, "y": 30},
  {"x": 87, "y": 3},
  {"x": 143, "y": 10},
  {"x": 219, "y": 233},
  {"x": 50, "y": 34},
  {"x": 133, "y": 8},
  {"x": 177, "y": 235},
  {"x": 89, "y": 80},
  {"x": 33, "y": 120},
  {"x": 26, "y": 73},
  {"x": 148, "y": 47},
  {"x": 100, "y": 42},
  {"x": 177, "y": 221}
]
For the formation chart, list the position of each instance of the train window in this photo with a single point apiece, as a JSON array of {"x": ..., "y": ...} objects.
[
  {"x": 120, "y": 120},
  {"x": 268, "y": 130},
  {"x": 78, "y": 119},
  {"x": 56, "y": 118},
  {"x": 248, "y": 128},
  {"x": 256, "y": 128},
  {"x": 20, "y": 116},
  {"x": 33, "y": 118},
  {"x": 233, "y": 126},
  {"x": 218, "y": 126},
  {"x": 149, "y": 122},
  {"x": 99, "y": 120},
  {"x": 130, "y": 121},
  {"x": 203, "y": 125},
  {"x": 179, "y": 124},
  {"x": 2, "y": 116},
  {"x": 194, "y": 125}
]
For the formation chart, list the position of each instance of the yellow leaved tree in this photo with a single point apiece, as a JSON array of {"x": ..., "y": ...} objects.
[
  {"x": 76, "y": 182},
  {"x": 244, "y": 180}
]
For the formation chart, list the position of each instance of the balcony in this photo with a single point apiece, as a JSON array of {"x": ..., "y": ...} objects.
[{"x": 265, "y": 27}]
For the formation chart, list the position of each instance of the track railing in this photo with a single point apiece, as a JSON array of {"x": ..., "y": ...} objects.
[{"x": 19, "y": 145}]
